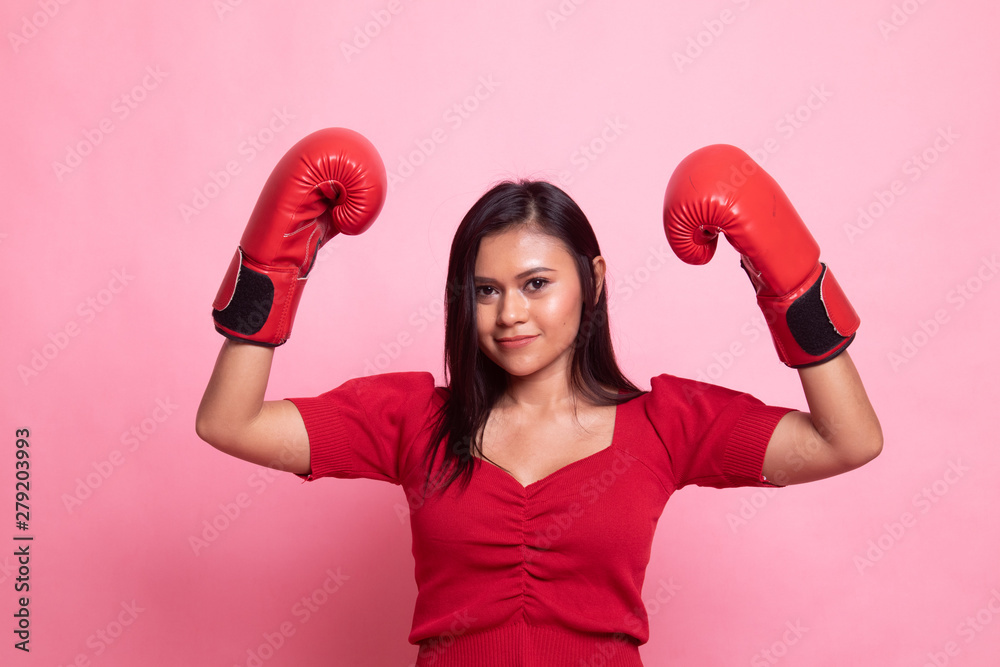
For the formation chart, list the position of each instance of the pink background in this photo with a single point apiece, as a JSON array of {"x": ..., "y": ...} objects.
[{"x": 121, "y": 119}]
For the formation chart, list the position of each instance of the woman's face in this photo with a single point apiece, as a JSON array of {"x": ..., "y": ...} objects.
[{"x": 527, "y": 288}]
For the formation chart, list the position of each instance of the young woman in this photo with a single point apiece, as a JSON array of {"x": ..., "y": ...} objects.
[{"x": 536, "y": 477}]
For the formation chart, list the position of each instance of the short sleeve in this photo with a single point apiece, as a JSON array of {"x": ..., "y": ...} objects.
[
  {"x": 365, "y": 427},
  {"x": 714, "y": 436}
]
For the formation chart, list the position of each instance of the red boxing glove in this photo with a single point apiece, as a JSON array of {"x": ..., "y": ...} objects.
[
  {"x": 331, "y": 182},
  {"x": 720, "y": 188}
]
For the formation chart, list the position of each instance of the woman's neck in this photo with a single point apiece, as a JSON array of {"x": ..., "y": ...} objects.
[{"x": 551, "y": 393}]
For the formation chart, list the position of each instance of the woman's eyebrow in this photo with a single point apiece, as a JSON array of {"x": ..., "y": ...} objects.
[{"x": 523, "y": 274}]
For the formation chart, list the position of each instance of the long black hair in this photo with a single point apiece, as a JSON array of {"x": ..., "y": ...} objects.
[{"x": 476, "y": 383}]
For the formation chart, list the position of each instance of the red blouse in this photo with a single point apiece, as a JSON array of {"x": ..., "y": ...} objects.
[{"x": 551, "y": 573}]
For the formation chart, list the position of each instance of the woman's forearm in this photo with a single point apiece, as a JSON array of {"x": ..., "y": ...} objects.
[
  {"x": 235, "y": 393},
  {"x": 840, "y": 410}
]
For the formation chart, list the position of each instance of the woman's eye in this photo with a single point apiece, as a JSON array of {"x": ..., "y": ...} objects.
[
  {"x": 538, "y": 283},
  {"x": 533, "y": 285}
]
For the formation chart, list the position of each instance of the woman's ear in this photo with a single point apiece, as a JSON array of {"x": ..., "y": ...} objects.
[{"x": 599, "y": 269}]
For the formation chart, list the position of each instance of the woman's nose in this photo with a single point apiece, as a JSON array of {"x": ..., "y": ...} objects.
[{"x": 513, "y": 309}]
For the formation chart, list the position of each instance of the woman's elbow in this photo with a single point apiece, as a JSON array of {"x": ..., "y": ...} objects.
[
  {"x": 867, "y": 448},
  {"x": 208, "y": 430},
  {"x": 877, "y": 442}
]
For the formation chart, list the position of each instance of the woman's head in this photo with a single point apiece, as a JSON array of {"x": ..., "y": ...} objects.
[
  {"x": 533, "y": 216},
  {"x": 533, "y": 219},
  {"x": 529, "y": 302}
]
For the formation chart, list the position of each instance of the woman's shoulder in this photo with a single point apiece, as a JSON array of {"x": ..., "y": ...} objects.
[
  {"x": 667, "y": 388},
  {"x": 404, "y": 387}
]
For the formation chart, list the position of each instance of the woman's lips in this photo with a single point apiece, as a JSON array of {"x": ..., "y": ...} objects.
[{"x": 515, "y": 342}]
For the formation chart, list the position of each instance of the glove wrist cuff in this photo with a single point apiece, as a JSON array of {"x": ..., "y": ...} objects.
[
  {"x": 256, "y": 302},
  {"x": 813, "y": 324}
]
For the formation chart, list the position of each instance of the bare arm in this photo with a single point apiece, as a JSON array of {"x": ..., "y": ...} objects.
[
  {"x": 234, "y": 417},
  {"x": 329, "y": 182},
  {"x": 839, "y": 433}
]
